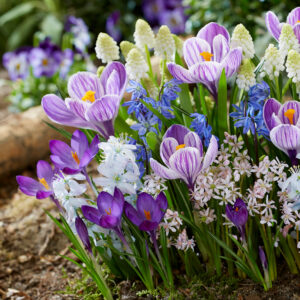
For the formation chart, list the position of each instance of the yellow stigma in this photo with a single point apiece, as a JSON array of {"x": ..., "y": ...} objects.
[
  {"x": 206, "y": 56},
  {"x": 298, "y": 22},
  {"x": 44, "y": 183},
  {"x": 290, "y": 114},
  {"x": 147, "y": 215},
  {"x": 108, "y": 212},
  {"x": 75, "y": 156},
  {"x": 89, "y": 96},
  {"x": 236, "y": 209},
  {"x": 45, "y": 62},
  {"x": 180, "y": 146}
]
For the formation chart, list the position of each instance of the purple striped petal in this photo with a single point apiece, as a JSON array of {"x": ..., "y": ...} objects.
[
  {"x": 286, "y": 137},
  {"x": 162, "y": 171},
  {"x": 271, "y": 107},
  {"x": 177, "y": 132},
  {"x": 82, "y": 82},
  {"x": 187, "y": 162},
  {"x": 180, "y": 73},
  {"x": 294, "y": 16},
  {"x": 192, "y": 48},
  {"x": 91, "y": 213},
  {"x": 211, "y": 153},
  {"x": 79, "y": 143},
  {"x": 220, "y": 47},
  {"x": 78, "y": 107},
  {"x": 44, "y": 170},
  {"x": 113, "y": 84},
  {"x": 211, "y": 30},
  {"x": 232, "y": 61},
  {"x": 167, "y": 148},
  {"x": 28, "y": 185},
  {"x": 192, "y": 139},
  {"x": 273, "y": 24},
  {"x": 207, "y": 72},
  {"x": 289, "y": 105},
  {"x": 297, "y": 31}
]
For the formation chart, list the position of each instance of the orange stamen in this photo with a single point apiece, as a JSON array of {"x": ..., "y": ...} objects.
[
  {"x": 45, "y": 62},
  {"x": 298, "y": 22},
  {"x": 147, "y": 215},
  {"x": 75, "y": 156},
  {"x": 290, "y": 114},
  {"x": 180, "y": 146},
  {"x": 108, "y": 212},
  {"x": 89, "y": 96},
  {"x": 44, "y": 183},
  {"x": 236, "y": 209},
  {"x": 206, "y": 56}
]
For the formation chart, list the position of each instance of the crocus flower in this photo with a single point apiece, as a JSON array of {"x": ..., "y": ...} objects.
[
  {"x": 74, "y": 159},
  {"x": 274, "y": 26},
  {"x": 284, "y": 124},
  {"x": 238, "y": 215},
  {"x": 93, "y": 102},
  {"x": 206, "y": 55},
  {"x": 111, "y": 25},
  {"x": 263, "y": 258},
  {"x": 174, "y": 19},
  {"x": 182, "y": 152},
  {"x": 83, "y": 234},
  {"x": 149, "y": 211}
]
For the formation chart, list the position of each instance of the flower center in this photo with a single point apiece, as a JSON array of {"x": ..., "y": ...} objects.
[
  {"x": 236, "y": 209},
  {"x": 44, "y": 183},
  {"x": 147, "y": 215},
  {"x": 298, "y": 22},
  {"x": 290, "y": 114},
  {"x": 89, "y": 96},
  {"x": 180, "y": 147},
  {"x": 108, "y": 212},
  {"x": 45, "y": 62},
  {"x": 75, "y": 157},
  {"x": 18, "y": 67},
  {"x": 206, "y": 56}
]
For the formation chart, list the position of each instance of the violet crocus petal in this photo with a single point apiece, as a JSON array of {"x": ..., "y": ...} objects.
[
  {"x": 289, "y": 105},
  {"x": 28, "y": 186},
  {"x": 271, "y": 107},
  {"x": 220, "y": 47},
  {"x": 57, "y": 111},
  {"x": 77, "y": 107},
  {"x": 273, "y": 24},
  {"x": 43, "y": 194},
  {"x": 82, "y": 82},
  {"x": 180, "y": 73},
  {"x": 119, "y": 197},
  {"x": 211, "y": 153},
  {"x": 145, "y": 204},
  {"x": 232, "y": 61},
  {"x": 83, "y": 233},
  {"x": 167, "y": 148},
  {"x": 44, "y": 170},
  {"x": 211, "y": 30},
  {"x": 177, "y": 132},
  {"x": 207, "y": 72},
  {"x": 90, "y": 153},
  {"x": 187, "y": 162},
  {"x": 107, "y": 221},
  {"x": 113, "y": 84},
  {"x": 91, "y": 214},
  {"x": 104, "y": 202},
  {"x": 192, "y": 48},
  {"x": 162, "y": 202},
  {"x": 240, "y": 203},
  {"x": 79, "y": 142},
  {"x": 120, "y": 69},
  {"x": 148, "y": 225},
  {"x": 297, "y": 31},
  {"x": 192, "y": 139},
  {"x": 63, "y": 151},
  {"x": 70, "y": 171},
  {"x": 162, "y": 171},
  {"x": 132, "y": 214},
  {"x": 294, "y": 16},
  {"x": 286, "y": 137}
]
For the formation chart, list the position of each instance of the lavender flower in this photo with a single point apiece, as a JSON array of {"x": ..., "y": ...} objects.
[
  {"x": 111, "y": 25},
  {"x": 258, "y": 93},
  {"x": 66, "y": 63},
  {"x": 174, "y": 19}
]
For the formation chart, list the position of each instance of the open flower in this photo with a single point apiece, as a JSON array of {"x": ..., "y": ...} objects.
[
  {"x": 149, "y": 212},
  {"x": 274, "y": 26},
  {"x": 206, "y": 55},
  {"x": 284, "y": 124},
  {"x": 182, "y": 152},
  {"x": 74, "y": 159},
  {"x": 93, "y": 102}
]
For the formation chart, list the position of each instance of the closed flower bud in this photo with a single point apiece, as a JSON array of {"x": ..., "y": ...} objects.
[
  {"x": 106, "y": 48},
  {"x": 143, "y": 35},
  {"x": 164, "y": 43},
  {"x": 246, "y": 77},
  {"x": 126, "y": 47},
  {"x": 287, "y": 40},
  {"x": 136, "y": 65},
  {"x": 178, "y": 44},
  {"x": 273, "y": 62}
]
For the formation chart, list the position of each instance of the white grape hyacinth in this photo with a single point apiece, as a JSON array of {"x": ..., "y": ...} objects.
[
  {"x": 106, "y": 48},
  {"x": 143, "y": 35},
  {"x": 136, "y": 65},
  {"x": 273, "y": 62},
  {"x": 246, "y": 76},
  {"x": 293, "y": 66},
  {"x": 288, "y": 40},
  {"x": 164, "y": 44}
]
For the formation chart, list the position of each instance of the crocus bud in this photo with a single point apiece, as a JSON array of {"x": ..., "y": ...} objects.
[
  {"x": 143, "y": 35},
  {"x": 164, "y": 43},
  {"x": 288, "y": 40},
  {"x": 263, "y": 258},
  {"x": 246, "y": 76},
  {"x": 136, "y": 65},
  {"x": 273, "y": 64},
  {"x": 106, "y": 48},
  {"x": 83, "y": 234},
  {"x": 126, "y": 47}
]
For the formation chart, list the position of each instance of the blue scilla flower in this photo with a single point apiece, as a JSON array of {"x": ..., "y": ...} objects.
[
  {"x": 171, "y": 89},
  {"x": 145, "y": 124},
  {"x": 261, "y": 128},
  {"x": 258, "y": 93},
  {"x": 161, "y": 107},
  {"x": 136, "y": 89},
  {"x": 199, "y": 124}
]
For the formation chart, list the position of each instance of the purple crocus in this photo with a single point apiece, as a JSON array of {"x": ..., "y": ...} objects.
[
  {"x": 66, "y": 63},
  {"x": 283, "y": 122},
  {"x": 83, "y": 234},
  {"x": 206, "y": 55},
  {"x": 238, "y": 215},
  {"x": 182, "y": 152},
  {"x": 263, "y": 258},
  {"x": 74, "y": 159},
  {"x": 174, "y": 19},
  {"x": 45, "y": 59},
  {"x": 274, "y": 26},
  {"x": 152, "y": 9},
  {"x": 93, "y": 102},
  {"x": 112, "y": 25}
]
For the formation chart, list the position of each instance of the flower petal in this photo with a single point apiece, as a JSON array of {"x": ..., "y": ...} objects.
[
  {"x": 180, "y": 73},
  {"x": 211, "y": 153},
  {"x": 44, "y": 170},
  {"x": 148, "y": 225},
  {"x": 77, "y": 107},
  {"x": 192, "y": 139},
  {"x": 63, "y": 151},
  {"x": 79, "y": 143},
  {"x": 28, "y": 185},
  {"x": 295, "y": 105},
  {"x": 162, "y": 171},
  {"x": 220, "y": 47},
  {"x": 232, "y": 61},
  {"x": 297, "y": 31},
  {"x": 206, "y": 72},
  {"x": 132, "y": 214},
  {"x": 177, "y": 132},
  {"x": 271, "y": 107},
  {"x": 273, "y": 24},
  {"x": 104, "y": 202},
  {"x": 167, "y": 148},
  {"x": 107, "y": 221},
  {"x": 91, "y": 214},
  {"x": 113, "y": 84},
  {"x": 294, "y": 16}
]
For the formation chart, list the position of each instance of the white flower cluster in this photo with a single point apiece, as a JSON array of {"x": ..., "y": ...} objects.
[
  {"x": 153, "y": 184},
  {"x": 118, "y": 168},
  {"x": 106, "y": 48},
  {"x": 288, "y": 40},
  {"x": 246, "y": 76},
  {"x": 293, "y": 68}
]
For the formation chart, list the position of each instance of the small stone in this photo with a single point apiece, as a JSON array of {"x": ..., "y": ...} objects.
[{"x": 24, "y": 258}]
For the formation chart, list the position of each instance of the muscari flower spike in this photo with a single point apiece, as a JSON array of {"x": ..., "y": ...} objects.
[
  {"x": 293, "y": 66},
  {"x": 136, "y": 65},
  {"x": 246, "y": 76},
  {"x": 106, "y": 48},
  {"x": 143, "y": 35},
  {"x": 287, "y": 40},
  {"x": 164, "y": 44},
  {"x": 273, "y": 62}
]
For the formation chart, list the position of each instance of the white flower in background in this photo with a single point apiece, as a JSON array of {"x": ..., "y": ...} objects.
[
  {"x": 293, "y": 66},
  {"x": 143, "y": 35},
  {"x": 273, "y": 62},
  {"x": 253, "y": 207},
  {"x": 106, "y": 48},
  {"x": 136, "y": 65},
  {"x": 153, "y": 184},
  {"x": 183, "y": 243},
  {"x": 287, "y": 40},
  {"x": 164, "y": 43},
  {"x": 292, "y": 187},
  {"x": 242, "y": 38},
  {"x": 208, "y": 215},
  {"x": 267, "y": 206},
  {"x": 268, "y": 219},
  {"x": 126, "y": 47},
  {"x": 246, "y": 76},
  {"x": 287, "y": 214}
]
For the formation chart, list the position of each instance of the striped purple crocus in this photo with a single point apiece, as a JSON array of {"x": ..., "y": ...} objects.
[
  {"x": 283, "y": 121},
  {"x": 274, "y": 26},
  {"x": 182, "y": 152},
  {"x": 206, "y": 55},
  {"x": 93, "y": 102}
]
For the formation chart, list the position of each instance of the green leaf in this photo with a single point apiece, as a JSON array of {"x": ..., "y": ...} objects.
[
  {"x": 152, "y": 141},
  {"x": 222, "y": 110},
  {"x": 62, "y": 131}
]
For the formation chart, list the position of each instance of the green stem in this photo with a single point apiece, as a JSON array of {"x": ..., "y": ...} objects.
[
  {"x": 286, "y": 87},
  {"x": 278, "y": 91}
]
